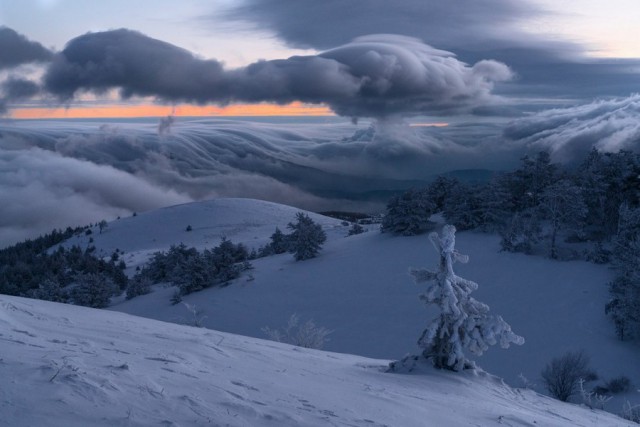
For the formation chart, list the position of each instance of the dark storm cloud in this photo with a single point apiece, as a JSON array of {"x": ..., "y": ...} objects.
[
  {"x": 136, "y": 64},
  {"x": 372, "y": 76},
  {"x": 16, "y": 49},
  {"x": 17, "y": 88},
  {"x": 569, "y": 133},
  {"x": 474, "y": 30}
]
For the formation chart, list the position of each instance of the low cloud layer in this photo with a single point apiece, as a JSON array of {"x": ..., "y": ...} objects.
[
  {"x": 372, "y": 76},
  {"x": 43, "y": 190},
  {"x": 58, "y": 174},
  {"x": 569, "y": 133}
]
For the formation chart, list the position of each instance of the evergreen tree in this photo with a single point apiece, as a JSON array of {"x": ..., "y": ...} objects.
[
  {"x": 495, "y": 205},
  {"x": 138, "y": 286},
  {"x": 439, "y": 191},
  {"x": 408, "y": 214},
  {"x": 306, "y": 238},
  {"x": 92, "y": 290},
  {"x": 624, "y": 306},
  {"x": 355, "y": 229},
  {"x": 562, "y": 205},
  {"x": 49, "y": 290},
  {"x": 462, "y": 207},
  {"x": 279, "y": 242},
  {"x": 464, "y": 323},
  {"x": 527, "y": 183}
]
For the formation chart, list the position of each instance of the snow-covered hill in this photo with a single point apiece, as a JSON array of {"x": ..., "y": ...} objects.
[
  {"x": 359, "y": 288},
  {"x": 71, "y": 366},
  {"x": 247, "y": 221}
]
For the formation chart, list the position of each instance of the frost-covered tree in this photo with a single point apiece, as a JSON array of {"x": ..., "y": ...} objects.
[
  {"x": 522, "y": 232},
  {"x": 408, "y": 214},
  {"x": 464, "y": 323},
  {"x": 306, "y": 238}
]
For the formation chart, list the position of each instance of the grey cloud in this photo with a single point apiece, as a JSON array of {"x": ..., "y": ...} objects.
[
  {"x": 16, "y": 49},
  {"x": 372, "y": 76},
  {"x": 569, "y": 133},
  {"x": 474, "y": 30},
  {"x": 136, "y": 64},
  {"x": 16, "y": 89},
  {"x": 328, "y": 23}
]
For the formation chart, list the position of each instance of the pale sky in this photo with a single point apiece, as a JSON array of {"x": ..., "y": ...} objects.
[{"x": 606, "y": 28}]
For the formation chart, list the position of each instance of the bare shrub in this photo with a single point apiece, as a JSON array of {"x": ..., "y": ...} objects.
[
  {"x": 562, "y": 375},
  {"x": 307, "y": 335},
  {"x": 617, "y": 385},
  {"x": 631, "y": 412},
  {"x": 197, "y": 315}
]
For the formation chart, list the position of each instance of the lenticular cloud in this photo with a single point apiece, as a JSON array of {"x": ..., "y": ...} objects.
[{"x": 373, "y": 76}]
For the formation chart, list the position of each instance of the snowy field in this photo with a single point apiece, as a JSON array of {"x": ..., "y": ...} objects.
[
  {"x": 71, "y": 366},
  {"x": 359, "y": 288}
]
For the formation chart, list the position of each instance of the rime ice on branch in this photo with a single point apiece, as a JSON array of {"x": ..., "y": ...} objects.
[{"x": 464, "y": 323}]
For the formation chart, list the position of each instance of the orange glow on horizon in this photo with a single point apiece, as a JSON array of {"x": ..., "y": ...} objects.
[
  {"x": 429, "y": 125},
  {"x": 130, "y": 111}
]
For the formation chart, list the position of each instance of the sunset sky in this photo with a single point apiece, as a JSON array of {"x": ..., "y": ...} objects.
[{"x": 582, "y": 42}]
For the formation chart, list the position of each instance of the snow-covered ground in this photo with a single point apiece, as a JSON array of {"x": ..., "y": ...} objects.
[
  {"x": 359, "y": 288},
  {"x": 241, "y": 220},
  {"x": 72, "y": 366}
]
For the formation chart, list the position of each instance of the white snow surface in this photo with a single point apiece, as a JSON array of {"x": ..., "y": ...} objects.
[
  {"x": 69, "y": 366},
  {"x": 359, "y": 288},
  {"x": 248, "y": 221}
]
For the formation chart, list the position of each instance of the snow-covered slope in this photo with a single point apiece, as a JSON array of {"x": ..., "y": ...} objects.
[
  {"x": 245, "y": 221},
  {"x": 359, "y": 288},
  {"x": 71, "y": 366}
]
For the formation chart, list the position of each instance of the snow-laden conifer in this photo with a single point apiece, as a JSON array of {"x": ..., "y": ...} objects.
[{"x": 464, "y": 323}]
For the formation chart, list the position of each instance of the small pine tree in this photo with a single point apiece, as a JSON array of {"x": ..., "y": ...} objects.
[
  {"x": 138, "y": 286},
  {"x": 355, "y": 229},
  {"x": 279, "y": 242},
  {"x": 306, "y": 238},
  {"x": 464, "y": 323}
]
